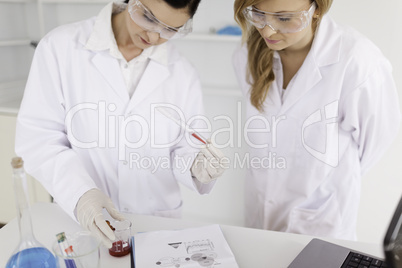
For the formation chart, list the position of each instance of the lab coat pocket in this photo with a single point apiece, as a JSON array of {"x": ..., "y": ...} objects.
[
  {"x": 321, "y": 218},
  {"x": 170, "y": 213}
]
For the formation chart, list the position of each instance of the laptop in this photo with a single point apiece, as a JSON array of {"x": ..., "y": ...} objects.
[{"x": 319, "y": 253}]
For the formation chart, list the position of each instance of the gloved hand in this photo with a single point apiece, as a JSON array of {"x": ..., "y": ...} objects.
[
  {"x": 208, "y": 164},
  {"x": 89, "y": 215}
]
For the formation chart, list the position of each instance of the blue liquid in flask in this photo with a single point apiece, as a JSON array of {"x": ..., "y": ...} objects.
[{"x": 37, "y": 257}]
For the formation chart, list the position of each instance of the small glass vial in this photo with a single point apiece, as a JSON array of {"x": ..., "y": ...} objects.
[
  {"x": 122, "y": 244},
  {"x": 29, "y": 252}
]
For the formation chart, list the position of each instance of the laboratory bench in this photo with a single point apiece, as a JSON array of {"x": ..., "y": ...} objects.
[{"x": 251, "y": 247}]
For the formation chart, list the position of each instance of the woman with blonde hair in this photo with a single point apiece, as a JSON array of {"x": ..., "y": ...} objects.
[{"x": 322, "y": 109}]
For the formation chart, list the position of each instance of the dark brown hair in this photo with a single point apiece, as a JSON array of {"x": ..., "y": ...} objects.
[{"x": 192, "y": 5}]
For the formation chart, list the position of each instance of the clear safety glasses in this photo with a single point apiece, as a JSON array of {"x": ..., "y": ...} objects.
[
  {"x": 144, "y": 18},
  {"x": 286, "y": 22}
]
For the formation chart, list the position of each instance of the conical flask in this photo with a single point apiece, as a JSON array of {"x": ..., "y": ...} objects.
[{"x": 29, "y": 252}]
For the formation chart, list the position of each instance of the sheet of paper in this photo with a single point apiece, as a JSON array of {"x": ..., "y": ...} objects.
[{"x": 193, "y": 247}]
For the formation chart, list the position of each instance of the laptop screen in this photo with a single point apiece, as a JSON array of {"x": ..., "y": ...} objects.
[
  {"x": 398, "y": 245},
  {"x": 393, "y": 239}
]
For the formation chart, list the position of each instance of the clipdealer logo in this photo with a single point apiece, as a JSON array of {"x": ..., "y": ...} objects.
[
  {"x": 112, "y": 128},
  {"x": 330, "y": 154}
]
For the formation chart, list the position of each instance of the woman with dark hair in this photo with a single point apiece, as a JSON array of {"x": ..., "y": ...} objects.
[{"x": 88, "y": 128}]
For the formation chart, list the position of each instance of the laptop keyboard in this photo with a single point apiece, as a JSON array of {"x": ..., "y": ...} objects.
[{"x": 357, "y": 260}]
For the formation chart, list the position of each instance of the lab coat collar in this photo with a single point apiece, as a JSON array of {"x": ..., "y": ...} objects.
[
  {"x": 154, "y": 75},
  {"x": 110, "y": 69},
  {"x": 327, "y": 43},
  {"x": 156, "y": 72},
  {"x": 324, "y": 51},
  {"x": 102, "y": 35}
]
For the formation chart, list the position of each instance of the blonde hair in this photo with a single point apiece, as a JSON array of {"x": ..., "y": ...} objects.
[{"x": 259, "y": 63}]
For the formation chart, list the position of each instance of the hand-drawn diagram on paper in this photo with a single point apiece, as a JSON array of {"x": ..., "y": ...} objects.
[{"x": 194, "y": 247}]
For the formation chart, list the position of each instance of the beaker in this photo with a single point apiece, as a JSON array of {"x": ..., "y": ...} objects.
[
  {"x": 84, "y": 251},
  {"x": 122, "y": 244}
]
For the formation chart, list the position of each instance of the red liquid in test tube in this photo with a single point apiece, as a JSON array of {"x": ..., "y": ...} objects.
[{"x": 198, "y": 138}]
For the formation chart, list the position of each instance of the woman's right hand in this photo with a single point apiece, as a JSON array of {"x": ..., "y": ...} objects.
[{"x": 89, "y": 215}]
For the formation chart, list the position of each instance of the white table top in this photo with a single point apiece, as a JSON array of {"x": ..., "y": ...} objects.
[{"x": 251, "y": 247}]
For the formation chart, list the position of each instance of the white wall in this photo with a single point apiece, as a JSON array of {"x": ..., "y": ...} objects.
[{"x": 36, "y": 192}]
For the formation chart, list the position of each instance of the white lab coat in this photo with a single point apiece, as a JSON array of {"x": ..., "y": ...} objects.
[
  {"x": 68, "y": 79},
  {"x": 338, "y": 117}
]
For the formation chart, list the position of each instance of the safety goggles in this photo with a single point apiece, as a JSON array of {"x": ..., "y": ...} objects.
[
  {"x": 144, "y": 18},
  {"x": 286, "y": 22}
]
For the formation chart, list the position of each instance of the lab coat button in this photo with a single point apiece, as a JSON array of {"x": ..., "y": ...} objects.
[
  {"x": 125, "y": 162},
  {"x": 125, "y": 209}
]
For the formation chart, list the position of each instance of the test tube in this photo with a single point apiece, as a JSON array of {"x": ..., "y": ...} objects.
[{"x": 66, "y": 249}]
